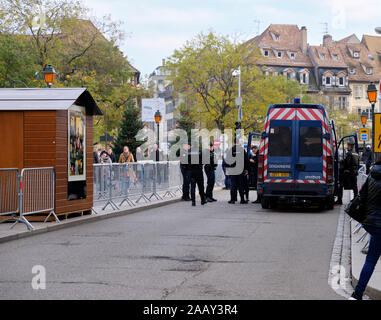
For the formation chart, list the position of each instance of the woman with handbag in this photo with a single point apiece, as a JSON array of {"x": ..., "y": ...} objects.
[{"x": 370, "y": 197}]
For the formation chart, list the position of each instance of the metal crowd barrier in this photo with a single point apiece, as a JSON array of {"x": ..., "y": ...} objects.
[
  {"x": 131, "y": 183},
  {"x": 37, "y": 191},
  {"x": 26, "y": 194},
  {"x": 9, "y": 193}
]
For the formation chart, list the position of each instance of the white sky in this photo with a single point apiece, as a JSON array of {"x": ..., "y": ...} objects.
[{"x": 155, "y": 28}]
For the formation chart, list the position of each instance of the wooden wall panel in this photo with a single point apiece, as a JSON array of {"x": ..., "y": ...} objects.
[
  {"x": 11, "y": 137},
  {"x": 62, "y": 204},
  {"x": 39, "y": 139}
]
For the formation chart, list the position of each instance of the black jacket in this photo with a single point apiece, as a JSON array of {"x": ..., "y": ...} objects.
[
  {"x": 370, "y": 195},
  {"x": 234, "y": 153},
  {"x": 212, "y": 165},
  {"x": 195, "y": 160}
]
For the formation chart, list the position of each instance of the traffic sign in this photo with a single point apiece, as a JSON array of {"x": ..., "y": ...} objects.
[
  {"x": 377, "y": 132},
  {"x": 364, "y": 134}
]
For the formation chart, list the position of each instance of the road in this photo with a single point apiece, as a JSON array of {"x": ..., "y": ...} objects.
[{"x": 217, "y": 251}]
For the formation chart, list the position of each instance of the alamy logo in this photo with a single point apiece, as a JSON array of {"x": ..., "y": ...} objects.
[
  {"x": 38, "y": 17},
  {"x": 39, "y": 280}
]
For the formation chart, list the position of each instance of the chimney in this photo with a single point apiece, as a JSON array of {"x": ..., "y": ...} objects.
[
  {"x": 327, "y": 40},
  {"x": 303, "y": 31}
]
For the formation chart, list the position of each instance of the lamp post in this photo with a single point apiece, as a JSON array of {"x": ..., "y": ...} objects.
[
  {"x": 158, "y": 120},
  {"x": 238, "y": 100},
  {"x": 372, "y": 97},
  {"x": 49, "y": 75},
  {"x": 364, "y": 119}
]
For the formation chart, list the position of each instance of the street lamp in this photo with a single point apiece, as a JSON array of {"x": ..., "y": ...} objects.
[
  {"x": 364, "y": 119},
  {"x": 158, "y": 120},
  {"x": 49, "y": 75},
  {"x": 238, "y": 100},
  {"x": 372, "y": 97}
]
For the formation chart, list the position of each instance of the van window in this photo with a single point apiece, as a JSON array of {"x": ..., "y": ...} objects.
[
  {"x": 280, "y": 144},
  {"x": 310, "y": 142}
]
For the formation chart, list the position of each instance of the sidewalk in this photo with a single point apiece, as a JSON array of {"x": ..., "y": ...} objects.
[
  {"x": 21, "y": 231},
  {"x": 358, "y": 259}
]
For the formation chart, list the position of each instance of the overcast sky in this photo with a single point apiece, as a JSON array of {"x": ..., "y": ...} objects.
[{"x": 155, "y": 28}]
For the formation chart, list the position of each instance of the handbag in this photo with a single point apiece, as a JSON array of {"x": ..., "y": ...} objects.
[{"x": 356, "y": 210}]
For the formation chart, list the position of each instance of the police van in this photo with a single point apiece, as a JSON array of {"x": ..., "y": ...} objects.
[{"x": 296, "y": 156}]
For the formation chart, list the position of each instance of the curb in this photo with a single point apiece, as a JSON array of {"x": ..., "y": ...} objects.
[{"x": 85, "y": 219}]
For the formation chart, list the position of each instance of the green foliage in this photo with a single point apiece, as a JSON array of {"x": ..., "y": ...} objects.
[
  {"x": 202, "y": 70},
  {"x": 129, "y": 128},
  {"x": 84, "y": 51}
]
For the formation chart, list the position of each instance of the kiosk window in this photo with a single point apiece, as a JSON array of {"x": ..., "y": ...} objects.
[
  {"x": 310, "y": 142},
  {"x": 280, "y": 144}
]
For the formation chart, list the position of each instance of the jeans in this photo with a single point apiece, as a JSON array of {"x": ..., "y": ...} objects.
[{"x": 372, "y": 257}]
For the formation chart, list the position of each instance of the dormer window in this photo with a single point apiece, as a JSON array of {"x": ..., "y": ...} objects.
[
  {"x": 341, "y": 81},
  {"x": 279, "y": 54},
  {"x": 322, "y": 56},
  {"x": 352, "y": 71},
  {"x": 293, "y": 55},
  {"x": 328, "y": 81},
  {"x": 369, "y": 70},
  {"x": 276, "y": 37},
  {"x": 335, "y": 57},
  {"x": 266, "y": 53},
  {"x": 356, "y": 54}
]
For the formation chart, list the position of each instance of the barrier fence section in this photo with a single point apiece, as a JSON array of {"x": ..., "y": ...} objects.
[
  {"x": 9, "y": 193},
  {"x": 37, "y": 191},
  {"x": 135, "y": 182}
]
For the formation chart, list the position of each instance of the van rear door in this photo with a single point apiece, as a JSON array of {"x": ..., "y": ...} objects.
[
  {"x": 280, "y": 151},
  {"x": 309, "y": 151}
]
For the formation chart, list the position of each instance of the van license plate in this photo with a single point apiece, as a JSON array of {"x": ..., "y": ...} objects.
[{"x": 279, "y": 174}]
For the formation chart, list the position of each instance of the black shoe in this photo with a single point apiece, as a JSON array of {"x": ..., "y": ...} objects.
[
  {"x": 354, "y": 296},
  {"x": 214, "y": 200},
  {"x": 193, "y": 204},
  {"x": 186, "y": 199},
  {"x": 209, "y": 200},
  {"x": 244, "y": 202},
  {"x": 256, "y": 201},
  {"x": 340, "y": 202},
  {"x": 231, "y": 202},
  {"x": 203, "y": 202}
]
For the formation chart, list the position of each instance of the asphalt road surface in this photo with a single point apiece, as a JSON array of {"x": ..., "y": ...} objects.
[{"x": 217, "y": 251}]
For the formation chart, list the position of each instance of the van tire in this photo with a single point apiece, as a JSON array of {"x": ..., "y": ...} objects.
[
  {"x": 330, "y": 203},
  {"x": 265, "y": 202}
]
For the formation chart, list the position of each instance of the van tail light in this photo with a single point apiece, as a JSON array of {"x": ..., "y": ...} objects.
[
  {"x": 329, "y": 169},
  {"x": 261, "y": 164}
]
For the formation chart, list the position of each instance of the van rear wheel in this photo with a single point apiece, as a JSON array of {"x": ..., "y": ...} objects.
[{"x": 265, "y": 202}]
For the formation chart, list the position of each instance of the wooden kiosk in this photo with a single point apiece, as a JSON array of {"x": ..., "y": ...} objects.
[{"x": 52, "y": 128}]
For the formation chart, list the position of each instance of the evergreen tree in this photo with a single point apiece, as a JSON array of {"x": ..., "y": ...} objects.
[{"x": 129, "y": 127}]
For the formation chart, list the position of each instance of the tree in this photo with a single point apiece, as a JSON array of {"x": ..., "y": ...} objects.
[
  {"x": 203, "y": 71},
  {"x": 129, "y": 128}
]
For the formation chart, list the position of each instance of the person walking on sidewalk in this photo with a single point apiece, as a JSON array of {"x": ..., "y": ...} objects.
[
  {"x": 185, "y": 171},
  {"x": 370, "y": 195}
]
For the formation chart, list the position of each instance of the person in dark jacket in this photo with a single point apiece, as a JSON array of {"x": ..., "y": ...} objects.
[
  {"x": 196, "y": 175},
  {"x": 351, "y": 168},
  {"x": 96, "y": 156},
  {"x": 111, "y": 155},
  {"x": 185, "y": 171},
  {"x": 237, "y": 165},
  {"x": 370, "y": 195},
  {"x": 210, "y": 169},
  {"x": 367, "y": 158}
]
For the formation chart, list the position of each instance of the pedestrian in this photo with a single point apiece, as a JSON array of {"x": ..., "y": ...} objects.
[
  {"x": 351, "y": 168},
  {"x": 370, "y": 196},
  {"x": 227, "y": 178},
  {"x": 254, "y": 158},
  {"x": 96, "y": 156},
  {"x": 138, "y": 155},
  {"x": 237, "y": 157},
  {"x": 340, "y": 185},
  {"x": 196, "y": 175},
  {"x": 185, "y": 171},
  {"x": 105, "y": 158},
  {"x": 126, "y": 156},
  {"x": 367, "y": 158},
  {"x": 210, "y": 171},
  {"x": 112, "y": 155}
]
